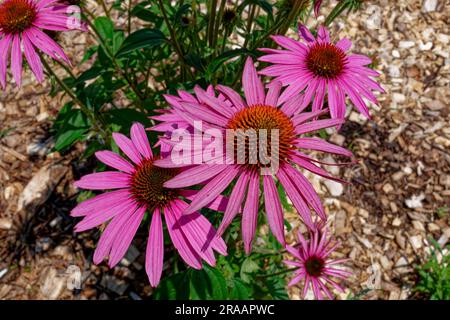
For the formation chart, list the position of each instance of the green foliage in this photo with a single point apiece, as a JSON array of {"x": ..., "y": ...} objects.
[{"x": 434, "y": 275}]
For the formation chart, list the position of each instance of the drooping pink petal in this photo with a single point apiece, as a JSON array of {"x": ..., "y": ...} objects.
[
  {"x": 5, "y": 44},
  {"x": 179, "y": 240},
  {"x": 154, "y": 256},
  {"x": 109, "y": 235},
  {"x": 274, "y": 209},
  {"x": 16, "y": 59},
  {"x": 290, "y": 44},
  {"x": 323, "y": 35},
  {"x": 214, "y": 103},
  {"x": 46, "y": 44},
  {"x": 125, "y": 236},
  {"x": 104, "y": 180},
  {"x": 250, "y": 213},
  {"x": 296, "y": 198},
  {"x": 213, "y": 189},
  {"x": 235, "y": 202},
  {"x": 33, "y": 59}
]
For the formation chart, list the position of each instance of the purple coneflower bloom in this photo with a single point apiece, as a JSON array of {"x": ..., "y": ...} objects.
[
  {"x": 21, "y": 25},
  {"x": 260, "y": 111},
  {"x": 314, "y": 265},
  {"x": 321, "y": 67},
  {"x": 140, "y": 189}
]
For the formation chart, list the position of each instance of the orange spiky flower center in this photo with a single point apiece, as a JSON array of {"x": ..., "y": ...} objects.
[
  {"x": 16, "y": 15},
  {"x": 326, "y": 60},
  {"x": 147, "y": 185},
  {"x": 255, "y": 118}
]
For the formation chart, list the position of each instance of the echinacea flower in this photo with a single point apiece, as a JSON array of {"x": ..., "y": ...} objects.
[
  {"x": 260, "y": 111},
  {"x": 320, "y": 67},
  {"x": 140, "y": 190},
  {"x": 21, "y": 25},
  {"x": 314, "y": 265}
]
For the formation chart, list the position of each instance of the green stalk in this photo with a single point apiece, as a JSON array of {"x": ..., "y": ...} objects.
[
  {"x": 218, "y": 20},
  {"x": 212, "y": 16}
]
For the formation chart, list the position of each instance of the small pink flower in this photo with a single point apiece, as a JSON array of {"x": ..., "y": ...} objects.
[
  {"x": 140, "y": 189},
  {"x": 21, "y": 25},
  {"x": 261, "y": 110},
  {"x": 320, "y": 67},
  {"x": 315, "y": 267}
]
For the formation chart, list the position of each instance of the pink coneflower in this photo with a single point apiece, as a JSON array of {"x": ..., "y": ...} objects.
[
  {"x": 140, "y": 189},
  {"x": 314, "y": 265},
  {"x": 260, "y": 111},
  {"x": 320, "y": 68},
  {"x": 21, "y": 25}
]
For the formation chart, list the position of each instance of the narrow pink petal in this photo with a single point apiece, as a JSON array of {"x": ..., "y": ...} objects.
[
  {"x": 43, "y": 42},
  {"x": 294, "y": 88},
  {"x": 359, "y": 59},
  {"x": 344, "y": 44},
  {"x": 44, "y": 3},
  {"x": 294, "y": 194},
  {"x": 235, "y": 202},
  {"x": 154, "y": 256},
  {"x": 200, "y": 239},
  {"x": 281, "y": 58},
  {"x": 290, "y": 44},
  {"x": 98, "y": 217},
  {"x": 33, "y": 59},
  {"x": 5, "y": 44},
  {"x": 323, "y": 34},
  {"x": 250, "y": 213},
  {"x": 195, "y": 175},
  {"x": 125, "y": 236},
  {"x": 127, "y": 146},
  {"x": 140, "y": 140},
  {"x": 304, "y": 32},
  {"x": 16, "y": 60},
  {"x": 115, "y": 161},
  {"x": 306, "y": 116},
  {"x": 219, "y": 204},
  {"x": 213, "y": 189},
  {"x": 180, "y": 242},
  {"x": 320, "y": 96},
  {"x": 333, "y": 100},
  {"x": 321, "y": 145},
  {"x": 309, "y": 92},
  {"x": 109, "y": 235},
  {"x": 308, "y": 165},
  {"x": 100, "y": 202},
  {"x": 232, "y": 95},
  {"x": 274, "y": 209},
  {"x": 214, "y": 103},
  {"x": 253, "y": 88},
  {"x": 273, "y": 94},
  {"x": 104, "y": 180},
  {"x": 296, "y": 279},
  {"x": 317, "y": 125}
]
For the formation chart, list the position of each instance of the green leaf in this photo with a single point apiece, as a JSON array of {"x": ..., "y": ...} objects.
[
  {"x": 276, "y": 287},
  {"x": 175, "y": 287},
  {"x": 125, "y": 118},
  {"x": 239, "y": 290},
  {"x": 105, "y": 28},
  {"x": 72, "y": 126},
  {"x": 144, "y": 38}
]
